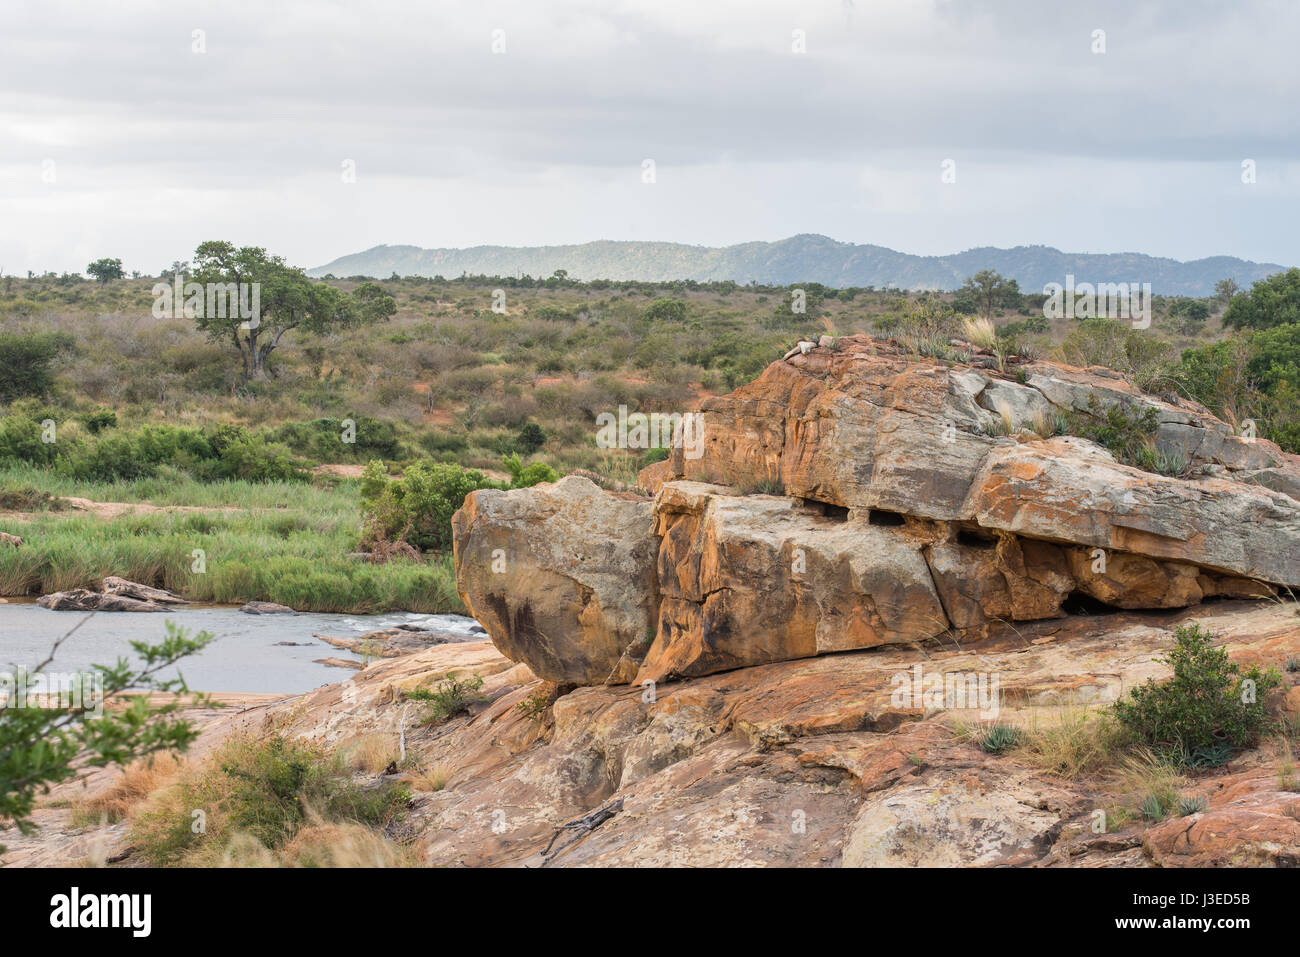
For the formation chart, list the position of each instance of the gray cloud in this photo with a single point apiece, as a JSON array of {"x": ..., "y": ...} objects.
[{"x": 157, "y": 148}]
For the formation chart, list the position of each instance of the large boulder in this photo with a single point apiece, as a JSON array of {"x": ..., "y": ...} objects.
[{"x": 562, "y": 576}]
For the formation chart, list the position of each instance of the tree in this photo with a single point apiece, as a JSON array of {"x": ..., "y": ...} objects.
[
  {"x": 105, "y": 269},
  {"x": 1271, "y": 302},
  {"x": 47, "y": 740},
  {"x": 1225, "y": 289},
  {"x": 281, "y": 298},
  {"x": 991, "y": 290},
  {"x": 666, "y": 310}
]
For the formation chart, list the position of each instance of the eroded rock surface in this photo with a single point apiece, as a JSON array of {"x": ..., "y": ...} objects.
[
  {"x": 561, "y": 576},
  {"x": 822, "y": 761},
  {"x": 921, "y": 502}
]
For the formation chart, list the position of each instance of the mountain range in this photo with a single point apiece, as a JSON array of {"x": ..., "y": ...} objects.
[{"x": 803, "y": 258}]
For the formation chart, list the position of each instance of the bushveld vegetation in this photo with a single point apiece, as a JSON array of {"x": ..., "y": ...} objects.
[
  {"x": 272, "y": 801},
  {"x": 1148, "y": 746},
  {"x": 503, "y": 377}
]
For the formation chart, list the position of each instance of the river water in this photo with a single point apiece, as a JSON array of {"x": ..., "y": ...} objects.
[{"x": 246, "y": 656}]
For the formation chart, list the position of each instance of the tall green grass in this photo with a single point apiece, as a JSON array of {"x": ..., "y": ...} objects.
[{"x": 286, "y": 544}]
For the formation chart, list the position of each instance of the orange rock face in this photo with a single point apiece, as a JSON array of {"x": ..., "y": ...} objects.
[{"x": 921, "y": 502}]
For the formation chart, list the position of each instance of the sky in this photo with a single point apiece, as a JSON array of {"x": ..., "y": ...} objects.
[{"x": 138, "y": 129}]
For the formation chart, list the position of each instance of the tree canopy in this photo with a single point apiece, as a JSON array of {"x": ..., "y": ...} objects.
[
  {"x": 991, "y": 290},
  {"x": 1274, "y": 301},
  {"x": 281, "y": 298},
  {"x": 102, "y": 270}
]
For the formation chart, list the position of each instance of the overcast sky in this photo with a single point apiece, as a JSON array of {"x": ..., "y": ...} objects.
[{"x": 117, "y": 139}]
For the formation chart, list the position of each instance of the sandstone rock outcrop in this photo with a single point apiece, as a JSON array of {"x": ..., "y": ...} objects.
[
  {"x": 920, "y": 501},
  {"x": 826, "y": 761}
]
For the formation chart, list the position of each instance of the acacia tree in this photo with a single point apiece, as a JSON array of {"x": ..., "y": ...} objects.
[
  {"x": 102, "y": 270},
  {"x": 286, "y": 299},
  {"x": 992, "y": 289}
]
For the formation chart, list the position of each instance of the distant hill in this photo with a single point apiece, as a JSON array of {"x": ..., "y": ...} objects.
[{"x": 803, "y": 258}]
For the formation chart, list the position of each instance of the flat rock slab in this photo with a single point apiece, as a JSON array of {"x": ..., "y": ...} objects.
[
  {"x": 394, "y": 642},
  {"x": 266, "y": 608}
]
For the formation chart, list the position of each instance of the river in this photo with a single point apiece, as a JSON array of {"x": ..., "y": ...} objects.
[{"x": 247, "y": 655}]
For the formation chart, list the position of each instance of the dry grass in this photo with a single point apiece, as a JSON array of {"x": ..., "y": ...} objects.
[
  {"x": 1072, "y": 742},
  {"x": 345, "y": 845},
  {"x": 1143, "y": 775},
  {"x": 371, "y": 753},
  {"x": 261, "y": 802},
  {"x": 980, "y": 332},
  {"x": 1286, "y": 769},
  {"x": 136, "y": 783},
  {"x": 431, "y": 778}
]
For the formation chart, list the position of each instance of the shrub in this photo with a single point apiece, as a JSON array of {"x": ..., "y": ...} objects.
[
  {"x": 449, "y": 697},
  {"x": 1143, "y": 359},
  {"x": 531, "y": 438},
  {"x": 1270, "y": 302},
  {"x": 267, "y": 790},
  {"x": 323, "y": 439},
  {"x": 418, "y": 506},
  {"x": 21, "y": 441},
  {"x": 1128, "y": 430},
  {"x": 526, "y": 476},
  {"x": 99, "y": 420},
  {"x": 25, "y": 498},
  {"x": 666, "y": 310},
  {"x": 1208, "y": 701},
  {"x": 25, "y": 363}
]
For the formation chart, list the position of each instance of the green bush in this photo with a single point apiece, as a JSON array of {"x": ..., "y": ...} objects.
[
  {"x": 1271, "y": 302},
  {"x": 531, "y": 438},
  {"x": 254, "y": 459},
  {"x": 268, "y": 790},
  {"x": 418, "y": 506},
  {"x": 1128, "y": 430},
  {"x": 99, "y": 420},
  {"x": 21, "y": 441},
  {"x": 526, "y": 476},
  {"x": 449, "y": 697},
  {"x": 322, "y": 439},
  {"x": 25, "y": 363},
  {"x": 1208, "y": 701},
  {"x": 666, "y": 310}
]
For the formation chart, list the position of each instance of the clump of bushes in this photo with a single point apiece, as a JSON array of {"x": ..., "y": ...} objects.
[
  {"x": 1208, "y": 703},
  {"x": 259, "y": 792},
  {"x": 223, "y": 453},
  {"x": 26, "y": 362},
  {"x": 25, "y": 498},
  {"x": 1145, "y": 360},
  {"x": 1129, "y": 431},
  {"x": 417, "y": 506},
  {"x": 330, "y": 440}
]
